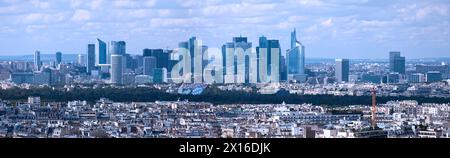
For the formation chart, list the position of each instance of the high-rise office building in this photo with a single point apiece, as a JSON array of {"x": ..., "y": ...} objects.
[
  {"x": 81, "y": 60},
  {"x": 161, "y": 56},
  {"x": 160, "y": 75},
  {"x": 396, "y": 63},
  {"x": 116, "y": 69},
  {"x": 193, "y": 64},
  {"x": 195, "y": 48},
  {"x": 100, "y": 49},
  {"x": 342, "y": 70},
  {"x": 268, "y": 55},
  {"x": 58, "y": 58},
  {"x": 237, "y": 60},
  {"x": 149, "y": 65},
  {"x": 295, "y": 60},
  {"x": 117, "y": 47},
  {"x": 90, "y": 64},
  {"x": 37, "y": 61},
  {"x": 434, "y": 76},
  {"x": 186, "y": 58}
]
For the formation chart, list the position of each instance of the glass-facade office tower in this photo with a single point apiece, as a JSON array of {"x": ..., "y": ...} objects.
[
  {"x": 236, "y": 60},
  {"x": 90, "y": 64},
  {"x": 37, "y": 61},
  {"x": 100, "y": 49},
  {"x": 116, "y": 69},
  {"x": 118, "y": 48},
  {"x": 149, "y": 65},
  {"x": 396, "y": 63},
  {"x": 58, "y": 57},
  {"x": 342, "y": 70},
  {"x": 295, "y": 60},
  {"x": 269, "y": 56},
  {"x": 192, "y": 66},
  {"x": 161, "y": 56}
]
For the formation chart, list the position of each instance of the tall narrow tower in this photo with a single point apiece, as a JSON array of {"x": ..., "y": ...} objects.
[{"x": 374, "y": 108}]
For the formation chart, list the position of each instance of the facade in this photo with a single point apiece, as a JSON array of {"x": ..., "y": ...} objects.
[
  {"x": 268, "y": 60},
  {"x": 58, "y": 58},
  {"x": 37, "y": 61},
  {"x": 100, "y": 49},
  {"x": 81, "y": 60},
  {"x": 295, "y": 60},
  {"x": 116, "y": 69},
  {"x": 396, "y": 63},
  {"x": 22, "y": 78},
  {"x": 434, "y": 76},
  {"x": 90, "y": 64},
  {"x": 149, "y": 65},
  {"x": 237, "y": 61},
  {"x": 443, "y": 69},
  {"x": 342, "y": 70},
  {"x": 160, "y": 75},
  {"x": 416, "y": 78}
]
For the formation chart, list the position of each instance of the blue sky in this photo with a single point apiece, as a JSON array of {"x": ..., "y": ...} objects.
[{"x": 328, "y": 28}]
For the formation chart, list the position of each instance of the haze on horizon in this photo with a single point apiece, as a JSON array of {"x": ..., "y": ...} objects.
[{"x": 328, "y": 28}]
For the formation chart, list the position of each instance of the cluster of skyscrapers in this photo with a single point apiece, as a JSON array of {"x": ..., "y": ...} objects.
[
  {"x": 193, "y": 62},
  {"x": 238, "y": 61}
]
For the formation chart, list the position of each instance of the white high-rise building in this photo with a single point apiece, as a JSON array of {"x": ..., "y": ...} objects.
[
  {"x": 116, "y": 69},
  {"x": 81, "y": 60}
]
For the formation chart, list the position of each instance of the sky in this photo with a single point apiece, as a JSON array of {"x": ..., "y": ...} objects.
[{"x": 363, "y": 29}]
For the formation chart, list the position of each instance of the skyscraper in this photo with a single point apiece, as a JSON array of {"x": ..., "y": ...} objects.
[
  {"x": 161, "y": 56},
  {"x": 117, "y": 47},
  {"x": 160, "y": 75},
  {"x": 268, "y": 56},
  {"x": 195, "y": 48},
  {"x": 149, "y": 65},
  {"x": 90, "y": 64},
  {"x": 37, "y": 61},
  {"x": 58, "y": 57},
  {"x": 295, "y": 60},
  {"x": 81, "y": 60},
  {"x": 342, "y": 70},
  {"x": 100, "y": 49},
  {"x": 116, "y": 69},
  {"x": 193, "y": 64},
  {"x": 396, "y": 63},
  {"x": 238, "y": 66}
]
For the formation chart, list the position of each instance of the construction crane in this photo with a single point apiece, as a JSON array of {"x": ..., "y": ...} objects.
[{"x": 374, "y": 107}]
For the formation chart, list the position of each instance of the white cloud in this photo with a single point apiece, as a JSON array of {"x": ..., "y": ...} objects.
[
  {"x": 33, "y": 18},
  {"x": 33, "y": 28},
  {"x": 40, "y": 4},
  {"x": 178, "y": 22},
  {"x": 240, "y": 9},
  {"x": 96, "y": 4},
  {"x": 75, "y": 3},
  {"x": 327, "y": 23},
  {"x": 81, "y": 15},
  {"x": 314, "y": 3},
  {"x": 134, "y": 3},
  {"x": 432, "y": 9}
]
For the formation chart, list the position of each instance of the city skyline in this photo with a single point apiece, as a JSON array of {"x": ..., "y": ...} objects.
[{"x": 336, "y": 29}]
